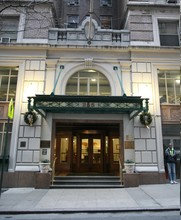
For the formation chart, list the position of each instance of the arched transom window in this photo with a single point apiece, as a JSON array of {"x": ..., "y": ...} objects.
[{"x": 88, "y": 82}]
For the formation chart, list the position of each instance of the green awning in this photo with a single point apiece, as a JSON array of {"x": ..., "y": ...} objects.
[{"x": 44, "y": 104}]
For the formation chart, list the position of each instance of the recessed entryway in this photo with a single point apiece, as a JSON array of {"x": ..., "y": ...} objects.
[{"x": 91, "y": 148}]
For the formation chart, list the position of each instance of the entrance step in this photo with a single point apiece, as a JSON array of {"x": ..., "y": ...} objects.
[{"x": 86, "y": 182}]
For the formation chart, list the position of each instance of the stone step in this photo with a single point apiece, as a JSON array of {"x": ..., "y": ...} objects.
[
  {"x": 84, "y": 186},
  {"x": 86, "y": 182}
]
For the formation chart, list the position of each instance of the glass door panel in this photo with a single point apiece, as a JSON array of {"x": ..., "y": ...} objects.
[
  {"x": 85, "y": 151},
  {"x": 64, "y": 143},
  {"x": 91, "y": 154},
  {"x": 74, "y": 149},
  {"x": 96, "y": 151},
  {"x": 62, "y": 154},
  {"x": 116, "y": 147}
]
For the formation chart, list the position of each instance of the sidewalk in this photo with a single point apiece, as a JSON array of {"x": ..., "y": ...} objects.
[{"x": 145, "y": 197}]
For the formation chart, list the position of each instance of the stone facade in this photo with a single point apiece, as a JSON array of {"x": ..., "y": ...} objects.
[
  {"x": 29, "y": 136},
  {"x": 138, "y": 56}
]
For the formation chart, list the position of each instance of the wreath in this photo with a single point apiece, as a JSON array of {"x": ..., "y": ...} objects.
[
  {"x": 146, "y": 118},
  {"x": 30, "y": 118}
]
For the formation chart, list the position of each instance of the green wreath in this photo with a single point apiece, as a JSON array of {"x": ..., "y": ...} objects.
[
  {"x": 30, "y": 117},
  {"x": 145, "y": 118}
]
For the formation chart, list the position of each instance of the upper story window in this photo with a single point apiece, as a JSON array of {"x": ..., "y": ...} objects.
[
  {"x": 171, "y": 1},
  {"x": 106, "y": 22},
  {"x": 73, "y": 21},
  {"x": 73, "y": 2},
  {"x": 8, "y": 83},
  {"x": 8, "y": 29},
  {"x": 88, "y": 82},
  {"x": 169, "y": 87},
  {"x": 169, "y": 33},
  {"x": 106, "y": 3}
]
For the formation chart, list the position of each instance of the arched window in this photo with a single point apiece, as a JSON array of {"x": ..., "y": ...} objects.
[{"x": 88, "y": 82}]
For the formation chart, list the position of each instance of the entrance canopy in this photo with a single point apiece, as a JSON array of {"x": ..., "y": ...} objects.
[{"x": 44, "y": 104}]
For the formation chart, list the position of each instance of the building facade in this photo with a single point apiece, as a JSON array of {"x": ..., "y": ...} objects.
[{"x": 81, "y": 74}]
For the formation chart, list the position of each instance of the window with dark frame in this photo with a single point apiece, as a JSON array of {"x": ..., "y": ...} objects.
[
  {"x": 8, "y": 83},
  {"x": 168, "y": 31},
  {"x": 106, "y": 22},
  {"x": 106, "y": 3},
  {"x": 73, "y": 2},
  {"x": 73, "y": 21},
  {"x": 8, "y": 28}
]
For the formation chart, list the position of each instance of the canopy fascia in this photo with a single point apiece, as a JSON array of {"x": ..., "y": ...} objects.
[{"x": 44, "y": 104}]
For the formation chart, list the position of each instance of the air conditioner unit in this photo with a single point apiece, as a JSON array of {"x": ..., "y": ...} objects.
[
  {"x": 73, "y": 2},
  {"x": 171, "y": 1},
  {"x": 72, "y": 25},
  {"x": 5, "y": 40},
  {"x": 105, "y": 4}
]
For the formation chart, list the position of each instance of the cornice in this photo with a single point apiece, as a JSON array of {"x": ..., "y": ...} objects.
[{"x": 48, "y": 47}]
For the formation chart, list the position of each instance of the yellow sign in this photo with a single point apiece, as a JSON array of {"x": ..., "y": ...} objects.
[{"x": 11, "y": 109}]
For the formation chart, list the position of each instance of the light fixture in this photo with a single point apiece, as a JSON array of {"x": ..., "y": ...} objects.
[
  {"x": 91, "y": 71},
  {"x": 177, "y": 81}
]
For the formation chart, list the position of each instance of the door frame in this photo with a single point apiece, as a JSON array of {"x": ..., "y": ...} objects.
[{"x": 72, "y": 165}]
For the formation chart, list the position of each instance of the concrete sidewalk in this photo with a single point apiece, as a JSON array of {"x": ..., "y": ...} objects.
[{"x": 144, "y": 197}]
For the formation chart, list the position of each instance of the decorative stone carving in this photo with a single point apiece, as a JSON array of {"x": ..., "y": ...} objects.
[{"x": 88, "y": 62}]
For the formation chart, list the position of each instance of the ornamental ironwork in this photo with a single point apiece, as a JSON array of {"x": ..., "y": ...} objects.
[{"x": 44, "y": 104}]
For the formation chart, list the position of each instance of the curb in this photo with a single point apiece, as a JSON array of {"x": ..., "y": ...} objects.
[{"x": 89, "y": 211}]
